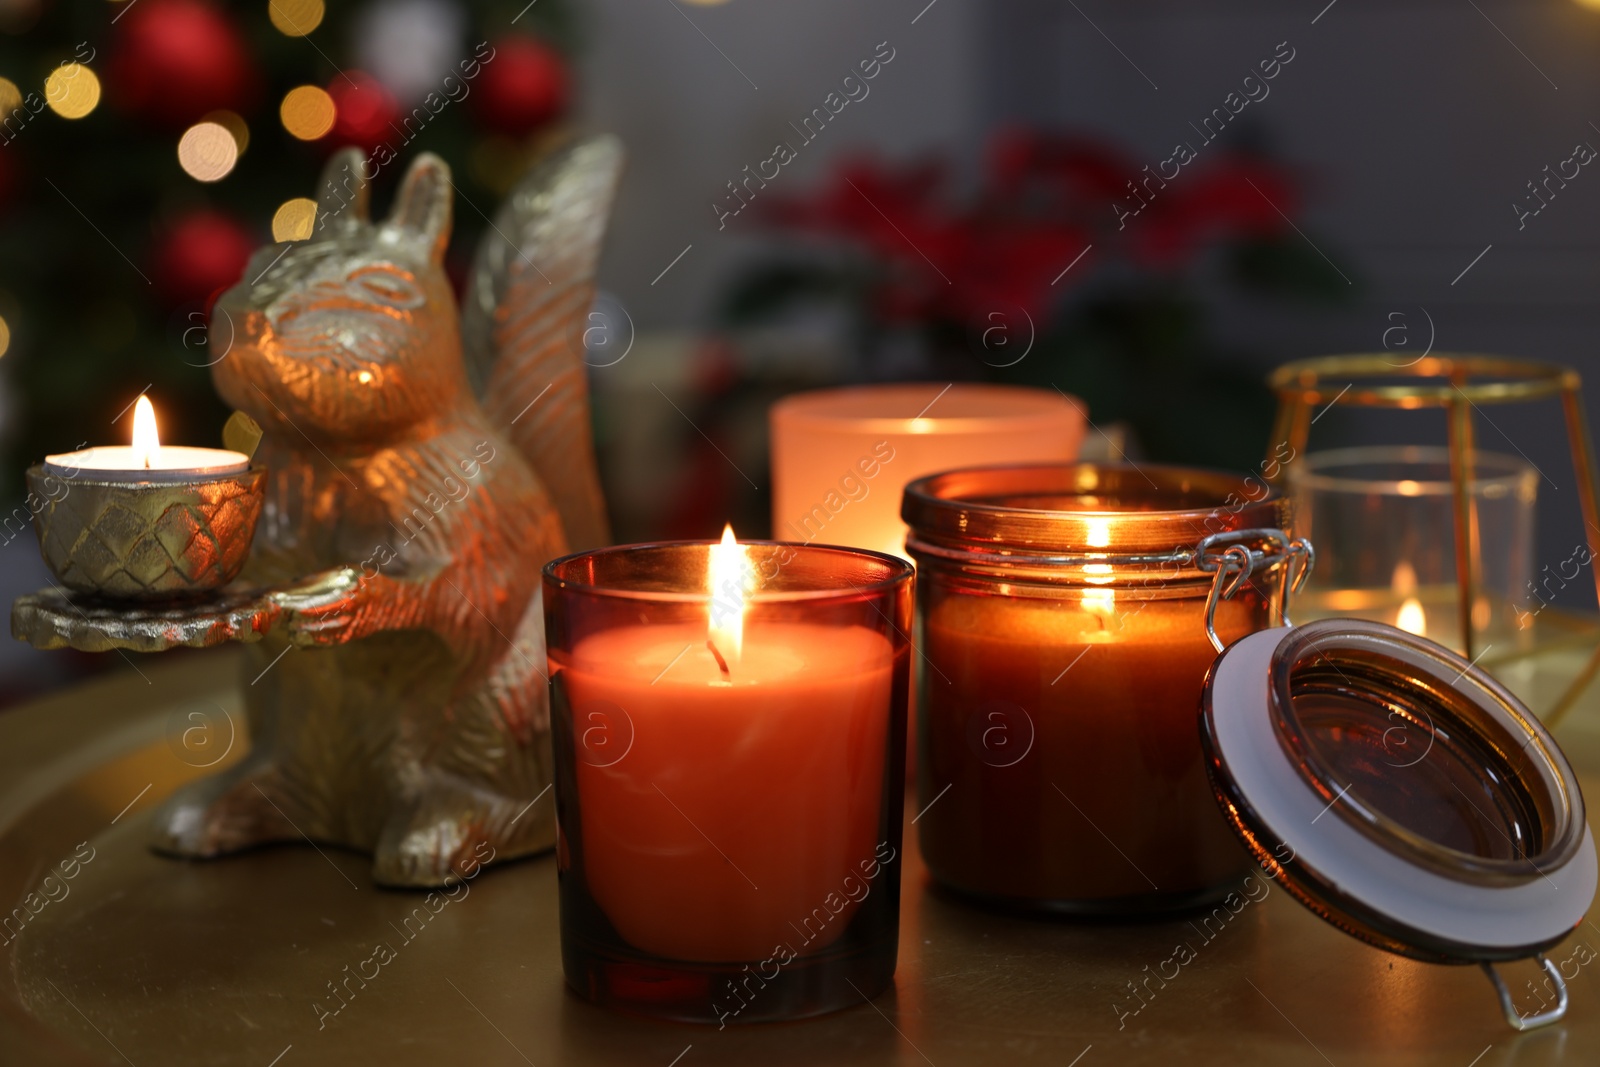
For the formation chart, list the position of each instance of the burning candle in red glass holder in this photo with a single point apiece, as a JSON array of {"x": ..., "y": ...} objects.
[{"x": 729, "y": 724}]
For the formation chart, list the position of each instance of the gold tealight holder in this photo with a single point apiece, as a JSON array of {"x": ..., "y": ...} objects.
[
  {"x": 146, "y": 540},
  {"x": 1459, "y": 385}
]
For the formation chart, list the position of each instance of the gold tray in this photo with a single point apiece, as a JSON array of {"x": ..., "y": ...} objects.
[{"x": 148, "y": 961}]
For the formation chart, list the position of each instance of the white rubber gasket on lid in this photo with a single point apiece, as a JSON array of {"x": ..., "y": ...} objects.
[{"x": 1291, "y": 811}]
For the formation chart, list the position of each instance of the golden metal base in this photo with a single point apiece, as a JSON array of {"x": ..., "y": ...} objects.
[{"x": 54, "y": 618}]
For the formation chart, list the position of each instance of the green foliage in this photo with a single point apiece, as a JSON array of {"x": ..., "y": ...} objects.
[
  {"x": 1143, "y": 357},
  {"x": 1288, "y": 268},
  {"x": 773, "y": 289}
]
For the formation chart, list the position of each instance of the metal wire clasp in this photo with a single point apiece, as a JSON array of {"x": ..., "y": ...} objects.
[
  {"x": 1529, "y": 1022},
  {"x": 1234, "y": 555}
]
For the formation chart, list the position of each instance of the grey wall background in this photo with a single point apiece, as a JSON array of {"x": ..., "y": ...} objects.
[
  {"x": 1416, "y": 124},
  {"x": 692, "y": 120}
]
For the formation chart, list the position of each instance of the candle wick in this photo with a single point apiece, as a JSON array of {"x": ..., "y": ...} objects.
[{"x": 720, "y": 661}]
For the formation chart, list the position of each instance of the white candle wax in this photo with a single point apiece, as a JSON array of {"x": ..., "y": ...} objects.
[
  {"x": 147, "y": 460},
  {"x": 170, "y": 463}
]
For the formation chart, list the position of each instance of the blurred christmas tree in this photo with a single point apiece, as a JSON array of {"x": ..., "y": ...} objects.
[{"x": 148, "y": 146}]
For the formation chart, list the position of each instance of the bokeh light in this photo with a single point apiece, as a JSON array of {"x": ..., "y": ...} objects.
[
  {"x": 294, "y": 219},
  {"x": 10, "y": 97},
  {"x": 72, "y": 90},
  {"x": 307, "y": 112},
  {"x": 207, "y": 151},
  {"x": 365, "y": 112},
  {"x": 234, "y": 124},
  {"x": 295, "y": 18}
]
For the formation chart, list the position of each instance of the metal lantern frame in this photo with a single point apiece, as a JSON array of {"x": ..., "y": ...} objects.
[{"x": 1457, "y": 384}]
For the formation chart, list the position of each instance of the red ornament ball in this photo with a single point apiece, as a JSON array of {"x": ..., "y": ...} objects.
[
  {"x": 199, "y": 254},
  {"x": 364, "y": 111},
  {"x": 173, "y": 61},
  {"x": 524, "y": 84}
]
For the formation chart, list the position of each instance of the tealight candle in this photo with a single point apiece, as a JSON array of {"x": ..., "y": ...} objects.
[
  {"x": 728, "y": 723},
  {"x": 146, "y": 521},
  {"x": 147, "y": 459}
]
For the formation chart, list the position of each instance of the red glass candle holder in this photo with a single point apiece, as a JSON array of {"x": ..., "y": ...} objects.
[
  {"x": 729, "y": 814},
  {"x": 1064, "y": 614}
]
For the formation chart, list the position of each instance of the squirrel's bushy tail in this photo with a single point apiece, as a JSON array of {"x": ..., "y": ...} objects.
[{"x": 523, "y": 321}]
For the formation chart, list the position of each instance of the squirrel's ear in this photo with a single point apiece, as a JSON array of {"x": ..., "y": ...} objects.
[
  {"x": 422, "y": 206},
  {"x": 342, "y": 194}
]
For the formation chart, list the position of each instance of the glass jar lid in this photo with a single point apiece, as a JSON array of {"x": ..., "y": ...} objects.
[{"x": 1400, "y": 793}]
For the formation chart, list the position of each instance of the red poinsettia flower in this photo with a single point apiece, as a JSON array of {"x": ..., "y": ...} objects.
[
  {"x": 1074, "y": 171},
  {"x": 1043, "y": 202},
  {"x": 1224, "y": 198}
]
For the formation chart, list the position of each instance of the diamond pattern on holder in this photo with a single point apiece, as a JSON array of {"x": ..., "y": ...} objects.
[{"x": 95, "y": 543}]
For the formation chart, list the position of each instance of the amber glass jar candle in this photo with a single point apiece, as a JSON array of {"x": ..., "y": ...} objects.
[{"x": 1064, "y": 638}]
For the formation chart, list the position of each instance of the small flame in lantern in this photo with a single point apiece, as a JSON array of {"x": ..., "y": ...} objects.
[
  {"x": 1404, "y": 582},
  {"x": 1412, "y": 618},
  {"x": 146, "y": 441},
  {"x": 1482, "y": 613},
  {"x": 726, "y": 577}
]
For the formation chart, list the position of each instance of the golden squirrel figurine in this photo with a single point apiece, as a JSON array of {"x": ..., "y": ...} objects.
[{"x": 422, "y": 470}]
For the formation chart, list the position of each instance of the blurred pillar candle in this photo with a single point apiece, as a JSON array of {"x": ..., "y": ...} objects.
[
  {"x": 727, "y": 726},
  {"x": 840, "y": 457}
]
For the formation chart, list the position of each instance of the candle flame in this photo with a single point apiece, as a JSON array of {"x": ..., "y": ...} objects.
[
  {"x": 1102, "y": 602},
  {"x": 146, "y": 441},
  {"x": 1404, "y": 582},
  {"x": 1412, "y": 618},
  {"x": 727, "y": 575}
]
